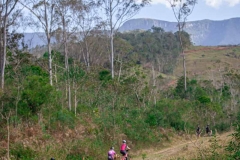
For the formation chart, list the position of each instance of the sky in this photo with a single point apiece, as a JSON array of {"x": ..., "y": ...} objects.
[{"x": 204, "y": 9}]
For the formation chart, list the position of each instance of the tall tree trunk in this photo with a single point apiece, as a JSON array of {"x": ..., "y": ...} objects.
[
  {"x": 184, "y": 58},
  {"x": 65, "y": 43},
  {"x": 120, "y": 70},
  {"x": 50, "y": 60},
  {"x": 56, "y": 80},
  {"x": 75, "y": 99},
  {"x": 66, "y": 62},
  {"x": 154, "y": 85},
  {"x": 47, "y": 31},
  {"x": 4, "y": 52},
  {"x": 69, "y": 95},
  {"x": 185, "y": 72},
  {"x": 112, "y": 55},
  {"x": 88, "y": 55},
  {"x": 111, "y": 32}
]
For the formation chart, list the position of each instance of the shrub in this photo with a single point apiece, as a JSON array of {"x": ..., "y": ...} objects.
[
  {"x": 21, "y": 152},
  {"x": 65, "y": 117},
  {"x": 104, "y": 75},
  {"x": 234, "y": 145},
  {"x": 155, "y": 118},
  {"x": 37, "y": 91},
  {"x": 222, "y": 126}
]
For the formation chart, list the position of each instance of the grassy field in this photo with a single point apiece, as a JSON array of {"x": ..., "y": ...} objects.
[{"x": 209, "y": 62}]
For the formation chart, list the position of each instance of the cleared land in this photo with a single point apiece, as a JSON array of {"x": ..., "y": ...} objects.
[
  {"x": 190, "y": 149},
  {"x": 210, "y": 62}
]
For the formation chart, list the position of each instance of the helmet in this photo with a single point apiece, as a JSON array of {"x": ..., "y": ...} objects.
[
  {"x": 112, "y": 148},
  {"x": 52, "y": 159},
  {"x": 124, "y": 141}
]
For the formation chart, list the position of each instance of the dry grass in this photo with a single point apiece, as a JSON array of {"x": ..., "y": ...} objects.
[
  {"x": 209, "y": 62},
  {"x": 185, "y": 149}
]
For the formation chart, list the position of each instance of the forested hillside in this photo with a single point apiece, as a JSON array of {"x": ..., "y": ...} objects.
[
  {"x": 203, "y": 32},
  {"x": 77, "y": 97},
  {"x": 85, "y": 111}
]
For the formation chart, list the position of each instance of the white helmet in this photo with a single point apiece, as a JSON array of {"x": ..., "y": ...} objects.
[{"x": 124, "y": 141}]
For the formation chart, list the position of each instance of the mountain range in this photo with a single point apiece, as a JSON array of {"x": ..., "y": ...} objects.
[{"x": 202, "y": 32}]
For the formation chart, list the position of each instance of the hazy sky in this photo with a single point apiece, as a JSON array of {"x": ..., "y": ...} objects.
[{"x": 204, "y": 9}]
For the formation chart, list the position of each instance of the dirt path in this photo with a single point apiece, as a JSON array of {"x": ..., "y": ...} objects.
[{"x": 188, "y": 149}]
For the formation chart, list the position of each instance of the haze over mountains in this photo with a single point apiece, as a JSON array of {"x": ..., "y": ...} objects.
[{"x": 203, "y": 32}]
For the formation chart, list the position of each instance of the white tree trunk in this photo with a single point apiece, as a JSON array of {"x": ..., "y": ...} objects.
[
  {"x": 50, "y": 61},
  {"x": 112, "y": 55},
  {"x": 69, "y": 96},
  {"x": 120, "y": 70},
  {"x": 75, "y": 100},
  {"x": 185, "y": 72},
  {"x": 4, "y": 52}
]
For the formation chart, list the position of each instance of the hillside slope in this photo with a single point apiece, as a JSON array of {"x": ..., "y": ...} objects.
[
  {"x": 210, "y": 63},
  {"x": 186, "y": 149},
  {"x": 203, "y": 32}
]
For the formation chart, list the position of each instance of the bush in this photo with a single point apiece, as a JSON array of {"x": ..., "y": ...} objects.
[
  {"x": 37, "y": 91},
  {"x": 222, "y": 127},
  {"x": 104, "y": 75},
  {"x": 65, "y": 117},
  {"x": 24, "y": 153},
  {"x": 155, "y": 118},
  {"x": 234, "y": 145}
]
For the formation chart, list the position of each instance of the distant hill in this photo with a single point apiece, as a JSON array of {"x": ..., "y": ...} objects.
[
  {"x": 36, "y": 39},
  {"x": 203, "y": 32}
]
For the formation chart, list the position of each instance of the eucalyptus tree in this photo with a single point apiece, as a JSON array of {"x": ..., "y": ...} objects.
[
  {"x": 43, "y": 16},
  {"x": 181, "y": 10},
  {"x": 116, "y": 13},
  {"x": 64, "y": 12},
  {"x": 8, "y": 16},
  {"x": 87, "y": 20}
]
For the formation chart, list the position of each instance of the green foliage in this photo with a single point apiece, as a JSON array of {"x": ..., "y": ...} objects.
[
  {"x": 104, "y": 75},
  {"x": 204, "y": 99},
  {"x": 173, "y": 112},
  {"x": 8, "y": 102},
  {"x": 226, "y": 94},
  {"x": 37, "y": 91},
  {"x": 106, "y": 113},
  {"x": 222, "y": 126},
  {"x": 86, "y": 149},
  {"x": 234, "y": 145},
  {"x": 185, "y": 37},
  {"x": 65, "y": 117},
  {"x": 25, "y": 153},
  {"x": 33, "y": 70},
  {"x": 214, "y": 148},
  {"x": 154, "y": 46},
  {"x": 154, "y": 118},
  {"x": 144, "y": 156},
  {"x": 238, "y": 117}
]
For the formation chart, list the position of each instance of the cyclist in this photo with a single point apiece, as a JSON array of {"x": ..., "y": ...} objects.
[
  {"x": 123, "y": 149},
  {"x": 198, "y": 131},
  {"x": 111, "y": 154},
  {"x": 208, "y": 131}
]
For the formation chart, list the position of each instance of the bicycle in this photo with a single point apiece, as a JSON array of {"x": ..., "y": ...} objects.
[{"x": 127, "y": 157}]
